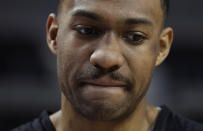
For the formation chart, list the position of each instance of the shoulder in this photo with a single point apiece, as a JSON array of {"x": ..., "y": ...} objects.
[
  {"x": 170, "y": 121},
  {"x": 42, "y": 123}
]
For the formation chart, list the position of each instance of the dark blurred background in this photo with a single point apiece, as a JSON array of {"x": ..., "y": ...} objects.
[{"x": 28, "y": 83}]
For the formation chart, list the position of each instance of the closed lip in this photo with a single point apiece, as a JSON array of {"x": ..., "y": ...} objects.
[{"x": 104, "y": 82}]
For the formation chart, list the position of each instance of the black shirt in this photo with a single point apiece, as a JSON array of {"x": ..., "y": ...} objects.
[{"x": 166, "y": 121}]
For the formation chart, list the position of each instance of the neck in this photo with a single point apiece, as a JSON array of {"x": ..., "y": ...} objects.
[{"x": 142, "y": 119}]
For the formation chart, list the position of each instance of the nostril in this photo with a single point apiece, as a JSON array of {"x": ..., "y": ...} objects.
[
  {"x": 113, "y": 68},
  {"x": 98, "y": 66},
  {"x": 106, "y": 60}
]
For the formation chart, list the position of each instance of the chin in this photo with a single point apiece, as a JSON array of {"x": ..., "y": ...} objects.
[
  {"x": 99, "y": 113},
  {"x": 104, "y": 109},
  {"x": 102, "y": 104}
]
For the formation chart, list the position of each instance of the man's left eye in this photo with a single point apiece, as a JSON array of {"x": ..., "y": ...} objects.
[
  {"x": 134, "y": 37},
  {"x": 86, "y": 30}
]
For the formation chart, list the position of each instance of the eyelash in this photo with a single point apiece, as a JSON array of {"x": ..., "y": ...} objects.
[
  {"x": 132, "y": 37},
  {"x": 87, "y": 30}
]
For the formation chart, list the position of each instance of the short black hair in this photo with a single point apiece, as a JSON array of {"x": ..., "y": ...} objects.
[{"x": 164, "y": 6}]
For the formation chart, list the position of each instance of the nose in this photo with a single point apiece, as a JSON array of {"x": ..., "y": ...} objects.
[{"x": 107, "y": 59}]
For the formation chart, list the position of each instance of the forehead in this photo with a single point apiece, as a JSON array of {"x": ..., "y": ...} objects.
[{"x": 119, "y": 9}]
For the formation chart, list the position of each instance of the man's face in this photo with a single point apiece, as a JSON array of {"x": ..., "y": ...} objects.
[{"x": 106, "y": 54}]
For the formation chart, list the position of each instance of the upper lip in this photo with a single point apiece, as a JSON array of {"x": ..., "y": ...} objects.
[{"x": 106, "y": 82}]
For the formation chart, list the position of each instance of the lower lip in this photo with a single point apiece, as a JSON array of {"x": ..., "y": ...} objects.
[{"x": 100, "y": 92}]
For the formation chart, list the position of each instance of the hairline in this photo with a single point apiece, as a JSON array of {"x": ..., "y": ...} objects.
[{"x": 164, "y": 6}]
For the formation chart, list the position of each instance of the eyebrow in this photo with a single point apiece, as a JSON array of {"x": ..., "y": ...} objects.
[
  {"x": 138, "y": 21},
  {"x": 94, "y": 16},
  {"x": 87, "y": 14}
]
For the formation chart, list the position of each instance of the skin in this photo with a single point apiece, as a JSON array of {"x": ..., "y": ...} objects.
[{"x": 106, "y": 54}]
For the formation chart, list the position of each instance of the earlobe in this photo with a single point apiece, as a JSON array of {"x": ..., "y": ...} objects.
[
  {"x": 51, "y": 31},
  {"x": 166, "y": 39}
]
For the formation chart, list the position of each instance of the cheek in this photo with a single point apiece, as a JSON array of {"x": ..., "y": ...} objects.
[
  {"x": 65, "y": 66},
  {"x": 71, "y": 57},
  {"x": 141, "y": 62},
  {"x": 141, "y": 58},
  {"x": 66, "y": 58}
]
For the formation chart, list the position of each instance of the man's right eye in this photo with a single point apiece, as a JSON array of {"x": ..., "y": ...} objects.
[{"x": 86, "y": 30}]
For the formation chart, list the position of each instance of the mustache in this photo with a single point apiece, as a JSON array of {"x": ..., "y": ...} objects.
[{"x": 96, "y": 73}]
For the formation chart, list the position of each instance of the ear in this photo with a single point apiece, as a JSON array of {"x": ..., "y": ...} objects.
[
  {"x": 166, "y": 39},
  {"x": 51, "y": 31}
]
